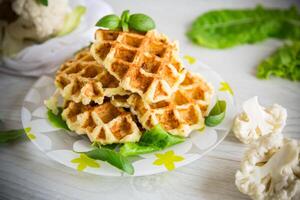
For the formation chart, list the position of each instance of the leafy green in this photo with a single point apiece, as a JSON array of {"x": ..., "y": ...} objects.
[
  {"x": 158, "y": 137},
  {"x": 137, "y": 22},
  {"x": 133, "y": 149},
  {"x": 141, "y": 22},
  {"x": 124, "y": 20},
  {"x": 107, "y": 146},
  {"x": 152, "y": 140},
  {"x": 217, "y": 114},
  {"x": 114, "y": 158},
  {"x": 6, "y": 136},
  {"x": 284, "y": 63},
  {"x": 72, "y": 20},
  {"x": 57, "y": 120},
  {"x": 43, "y": 2},
  {"x": 109, "y": 21},
  {"x": 227, "y": 28}
]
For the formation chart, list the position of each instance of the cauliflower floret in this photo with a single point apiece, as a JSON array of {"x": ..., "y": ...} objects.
[
  {"x": 35, "y": 22},
  {"x": 270, "y": 169},
  {"x": 257, "y": 121}
]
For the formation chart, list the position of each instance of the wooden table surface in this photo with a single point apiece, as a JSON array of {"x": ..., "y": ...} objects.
[{"x": 26, "y": 173}]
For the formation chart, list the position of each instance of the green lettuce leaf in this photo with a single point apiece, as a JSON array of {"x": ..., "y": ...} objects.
[
  {"x": 133, "y": 149},
  {"x": 284, "y": 63},
  {"x": 6, "y": 136},
  {"x": 56, "y": 120},
  {"x": 217, "y": 114},
  {"x": 227, "y": 28},
  {"x": 112, "y": 157},
  {"x": 107, "y": 146},
  {"x": 152, "y": 140},
  {"x": 43, "y": 2}
]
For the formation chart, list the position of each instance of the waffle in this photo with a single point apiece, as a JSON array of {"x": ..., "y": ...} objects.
[
  {"x": 82, "y": 79},
  {"x": 103, "y": 123},
  {"x": 144, "y": 64},
  {"x": 182, "y": 113},
  {"x": 120, "y": 101}
]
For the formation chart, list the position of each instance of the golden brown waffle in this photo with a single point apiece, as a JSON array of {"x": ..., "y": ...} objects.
[
  {"x": 82, "y": 79},
  {"x": 144, "y": 64},
  {"x": 120, "y": 101},
  {"x": 182, "y": 113},
  {"x": 103, "y": 123}
]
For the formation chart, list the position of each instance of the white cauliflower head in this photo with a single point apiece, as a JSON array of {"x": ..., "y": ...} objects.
[
  {"x": 271, "y": 169},
  {"x": 257, "y": 121},
  {"x": 35, "y": 22}
]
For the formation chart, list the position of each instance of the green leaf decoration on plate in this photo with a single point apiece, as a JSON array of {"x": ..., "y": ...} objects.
[
  {"x": 283, "y": 63},
  {"x": 11, "y": 135},
  {"x": 227, "y": 28},
  {"x": 152, "y": 140},
  {"x": 191, "y": 60},
  {"x": 112, "y": 157},
  {"x": 167, "y": 159},
  {"x": 29, "y": 134},
  {"x": 217, "y": 114},
  {"x": 225, "y": 87},
  {"x": 56, "y": 120},
  {"x": 84, "y": 162}
]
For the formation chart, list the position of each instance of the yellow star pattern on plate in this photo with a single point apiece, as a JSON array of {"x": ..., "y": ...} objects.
[
  {"x": 225, "y": 87},
  {"x": 29, "y": 134},
  {"x": 167, "y": 159},
  {"x": 84, "y": 161},
  {"x": 191, "y": 60}
]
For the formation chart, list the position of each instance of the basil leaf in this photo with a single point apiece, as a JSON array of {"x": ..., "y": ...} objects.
[
  {"x": 124, "y": 20},
  {"x": 284, "y": 63},
  {"x": 6, "y": 136},
  {"x": 43, "y": 2},
  {"x": 227, "y": 28},
  {"x": 125, "y": 27},
  {"x": 152, "y": 140},
  {"x": 125, "y": 16},
  {"x": 113, "y": 158},
  {"x": 141, "y": 23},
  {"x": 217, "y": 114},
  {"x": 57, "y": 120},
  {"x": 111, "y": 22}
]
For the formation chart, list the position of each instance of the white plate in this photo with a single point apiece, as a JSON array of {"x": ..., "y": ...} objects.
[{"x": 60, "y": 144}]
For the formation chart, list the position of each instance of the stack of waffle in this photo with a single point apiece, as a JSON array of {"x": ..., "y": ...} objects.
[{"x": 126, "y": 83}]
